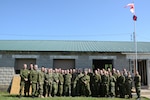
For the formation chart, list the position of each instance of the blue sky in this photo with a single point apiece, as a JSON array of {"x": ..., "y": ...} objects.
[{"x": 98, "y": 20}]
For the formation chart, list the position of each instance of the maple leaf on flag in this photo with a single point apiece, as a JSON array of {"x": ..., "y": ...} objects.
[{"x": 131, "y": 5}]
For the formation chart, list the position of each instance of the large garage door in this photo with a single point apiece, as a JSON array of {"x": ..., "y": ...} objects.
[
  {"x": 19, "y": 64},
  {"x": 101, "y": 63},
  {"x": 142, "y": 71},
  {"x": 64, "y": 63}
]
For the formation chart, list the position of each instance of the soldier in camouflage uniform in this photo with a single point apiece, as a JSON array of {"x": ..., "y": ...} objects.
[
  {"x": 29, "y": 84},
  {"x": 91, "y": 74},
  {"x": 137, "y": 82},
  {"x": 86, "y": 84},
  {"x": 34, "y": 80},
  {"x": 125, "y": 73},
  {"x": 55, "y": 82},
  {"x": 78, "y": 83},
  {"x": 61, "y": 82},
  {"x": 96, "y": 85},
  {"x": 121, "y": 84},
  {"x": 128, "y": 85},
  {"x": 48, "y": 82},
  {"x": 73, "y": 89},
  {"x": 112, "y": 81},
  {"x": 67, "y": 83},
  {"x": 24, "y": 79},
  {"x": 105, "y": 84},
  {"x": 41, "y": 78},
  {"x": 115, "y": 74}
]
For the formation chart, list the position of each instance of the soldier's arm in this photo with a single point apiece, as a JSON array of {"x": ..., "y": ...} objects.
[
  {"x": 108, "y": 79},
  {"x": 114, "y": 79},
  {"x": 45, "y": 78},
  {"x": 39, "y": 77},
  {"x": 100, "y": 79},
  {"x": 88, "y": 80},
  {"x": 30, "y": 77},
  {"x": 21, "y": 75},
  {"x": 124, "y": 79}
]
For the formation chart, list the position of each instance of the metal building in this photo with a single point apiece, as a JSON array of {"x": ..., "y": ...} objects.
[{"x": 72, "y": 54}]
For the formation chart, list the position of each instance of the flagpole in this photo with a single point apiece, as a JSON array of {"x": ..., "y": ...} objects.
[
  {"x": 135, "y": 46},
  {"x": 135, "y": 41}
]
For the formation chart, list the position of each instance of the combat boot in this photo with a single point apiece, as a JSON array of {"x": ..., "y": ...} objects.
[{"x": 45, "y": 95}]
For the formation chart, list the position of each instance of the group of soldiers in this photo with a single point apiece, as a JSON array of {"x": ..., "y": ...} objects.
[{"x": 48, "y": 82}]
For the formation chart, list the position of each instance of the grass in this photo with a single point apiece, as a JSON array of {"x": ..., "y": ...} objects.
[{"x": 6, "y": 96}]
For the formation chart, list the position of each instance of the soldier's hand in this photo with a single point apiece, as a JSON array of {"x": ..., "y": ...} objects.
[
  {"x": 40, "y": 83},
  {"x": 26, "y": 79},
  {"x": 46, "y": 81}
]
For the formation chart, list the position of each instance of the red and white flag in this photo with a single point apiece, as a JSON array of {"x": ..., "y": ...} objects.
[{"x": 131, "y": 5}]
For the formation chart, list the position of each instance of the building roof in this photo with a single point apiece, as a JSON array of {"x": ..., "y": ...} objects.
[{"x": 76, "y": 46}]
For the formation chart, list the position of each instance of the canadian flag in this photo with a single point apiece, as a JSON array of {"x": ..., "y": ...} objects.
[{"x": 131, "y": 5}]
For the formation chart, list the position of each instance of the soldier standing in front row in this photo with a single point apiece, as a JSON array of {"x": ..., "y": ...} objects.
[
  {"x": 41, "y": 79},
  {"x": 86, "y": 84},
  {"x": 96, "y": 83},
  {"x": 137, "y": 82},
  {"x": 61, "y": 82},
  {"x": 24, "y": 80},
  {"x": 29, "y": 84},
  {"x": 67, "y": 83},
  {"x": 128, "y": 85},
  {"x": 105, "y": 84},
  {"x": 112, "y": 81},
  {"x": 73, "y": 88},
  {"x": 48, "y": 82},
  {"x": 34, "y": 80},
  {"x": 78, "y": 84},
  {"x": 55, "y": 82},
  {"x": 121, "y": 84}
]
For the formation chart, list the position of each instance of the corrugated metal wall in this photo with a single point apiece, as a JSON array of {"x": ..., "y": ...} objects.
[{"x": 64, "y": 63}]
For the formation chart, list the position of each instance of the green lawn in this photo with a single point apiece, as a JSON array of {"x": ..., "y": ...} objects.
[{"x": 6, "y": 96}]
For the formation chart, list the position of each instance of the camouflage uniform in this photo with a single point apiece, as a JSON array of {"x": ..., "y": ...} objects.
[
  {"x": 112, "y": 81},
  {"x": 86, "y": 85},
  {"x": 105, "y": 85},
  {"x": 116, "y": 83},
  {"x": 48, "y": 84},
  {"x": 67, "y": 84},
  {"x": 96, "y": 84},
  {"x": 137, "y": 82},
  {"x": 121, "y": 84},
  {"x": 24, "y": 81},
  {"x": 60, "y": 84},
  {"x": 91, "y": 74},
  {"x": 128, "y": 85},
  {"x": 55, "y": 83},
  {"x": 34, "y": 80},
  {"x": 73, "y": 87},
  {"x": 78, "y": 84},
  {"x": 41, "y": 78}
]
